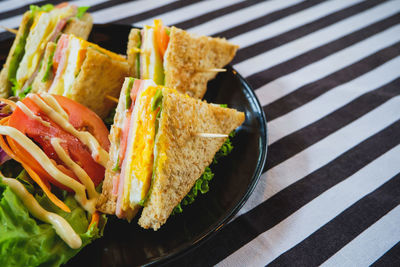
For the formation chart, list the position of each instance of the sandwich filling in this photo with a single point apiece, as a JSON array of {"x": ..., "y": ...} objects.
[
  {"x": 150, "y": 53},
  {"x": 45, "y": 24},
  {"x": 136, "y": 155},
  {"x": 66, "y": 62},
  {"x": 138, "y": 158}
]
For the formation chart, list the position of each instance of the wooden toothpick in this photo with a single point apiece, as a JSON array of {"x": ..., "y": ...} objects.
[
  {"x": 211, "y": 135},
  {"x": 112, "y": 98},
  {"x": 213, "y": 70},
  {"x": 9, "y": 29}
]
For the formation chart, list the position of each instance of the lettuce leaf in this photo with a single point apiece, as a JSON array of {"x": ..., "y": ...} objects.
[
  {"x": 25, "y": 241},
  {"x": 225, "y": 149},
  {"x": 17, "y": 57},
  {"x": 44, "y": 8},
  {"x": 201, "y": 184},
  {"x": 109, "y": 120},
  {"x": 81, "y": 11},
  {"x": 49, "y": 67},
  {"x": 24, "y": 93},
  {"x": 128, "y": 99}
]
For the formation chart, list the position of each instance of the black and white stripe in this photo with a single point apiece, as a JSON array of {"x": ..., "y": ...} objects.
[{"x": 328, "y": 76}]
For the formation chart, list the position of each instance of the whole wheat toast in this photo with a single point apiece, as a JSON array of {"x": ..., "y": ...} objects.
[
  {"x": 182, "y": 156},
  {"x": 188, "y": 60},
  {"x": 99, "y": 76}
]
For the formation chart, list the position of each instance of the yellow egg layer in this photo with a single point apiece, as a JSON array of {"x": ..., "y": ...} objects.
[{"x": 140, "y": 150}]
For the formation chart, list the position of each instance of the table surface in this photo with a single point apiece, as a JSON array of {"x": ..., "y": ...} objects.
[{"x": 327, "y": 75}]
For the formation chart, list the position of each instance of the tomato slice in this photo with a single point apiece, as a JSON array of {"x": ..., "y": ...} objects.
[{"x": 81, "y": 118}]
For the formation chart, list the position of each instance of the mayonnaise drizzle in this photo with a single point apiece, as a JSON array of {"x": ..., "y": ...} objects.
[
  {"x": 48, "y": 165},
  {"x": 60, "y": 225},
  {"x": 52, "y": 102},
  {"x": 79, "y": 172},
  {"x": 98, "y": 153},
  {"x": 32, "y": 115}
]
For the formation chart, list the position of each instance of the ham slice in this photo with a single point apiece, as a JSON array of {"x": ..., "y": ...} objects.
[{"x": 60, "y": 58}]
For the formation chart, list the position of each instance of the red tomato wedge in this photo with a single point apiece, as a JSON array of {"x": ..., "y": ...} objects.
[
  {"x": 81, "y": 118},
  {"x": 162, "y": 38}
]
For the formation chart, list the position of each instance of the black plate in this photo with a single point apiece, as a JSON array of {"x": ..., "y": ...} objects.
[{"x": 235, "y": 177}]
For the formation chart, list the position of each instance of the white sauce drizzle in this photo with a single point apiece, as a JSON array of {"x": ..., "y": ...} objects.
[
  {"x": 79, "y": 172},
  {"x": 47, "y": 164},
  {"x": 98, "y": 153},
  {"x": 52, "y": 102},
  {"x": 60, "y": 225},
  {"x": 32, "y": 115}
]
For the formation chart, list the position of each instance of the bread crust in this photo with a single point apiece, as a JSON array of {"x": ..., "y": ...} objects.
[
  {"x": 100, "y": 76},
  {"x": 188, "y": 57},
  {"x": 5, "y": 85},
  {"x": 182, "y": 156},
  {"x": 80, "y": 27},
  {"x": 133, "y": 42}
]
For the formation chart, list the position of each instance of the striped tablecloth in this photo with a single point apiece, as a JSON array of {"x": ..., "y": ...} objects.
[{"x": 327, "y": 74}]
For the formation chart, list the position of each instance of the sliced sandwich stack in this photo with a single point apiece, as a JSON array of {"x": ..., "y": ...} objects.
[
  {"x": 177, "y": 59},
  {"x": 38, "y": 27},
  {"x": 161, "y": 143},
  {"x": 82, "y": 71}
]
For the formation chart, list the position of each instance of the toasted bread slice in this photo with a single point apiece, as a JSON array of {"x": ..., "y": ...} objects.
[
  {"x": 107, "y": 201},
  {"x": 80, "y": 27},
  {"x": 189, "y": 58},
  {"x": 100, "y": 76},
  {"x": 5, "y": 85},
  {"x": 132, "y": 52},
  {"x": 181, "y": 156}
]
